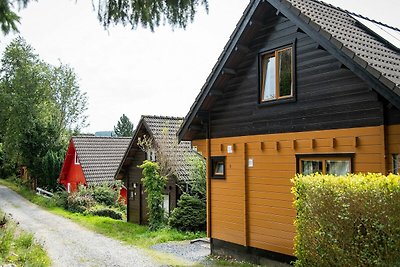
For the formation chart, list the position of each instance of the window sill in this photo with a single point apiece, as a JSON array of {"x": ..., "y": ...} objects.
[{"x": 276, "y": 102}]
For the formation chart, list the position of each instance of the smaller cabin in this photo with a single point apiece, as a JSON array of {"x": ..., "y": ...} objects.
[
  {"x": 162, "y": 131},
  {"x": 92, "y": 160}
]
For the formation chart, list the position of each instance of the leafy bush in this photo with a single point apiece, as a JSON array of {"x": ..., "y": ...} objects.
[
  {"x": 154, "y": 185},
  {"x": 197, "y": 172},
  {"x": 189, "y": 215},
  {"x": 351, "y": 220},
  {"x": 104, "y": 211},
  {"x": 104, "y": 194},
  {"x": 60, "y": 199},
  {"x": 80, "y": 202}
]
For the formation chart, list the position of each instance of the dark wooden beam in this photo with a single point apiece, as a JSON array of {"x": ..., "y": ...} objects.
[
  {"x": 196, "y": 128},
  {"x": 202, "y": 115},
  {"x": 255, "y": 23},
  {"x": 242, "y": 48},
  {"x": 319, "y": 47},
  {"x": 228, "y": 71},
  {"x": 278, "y": 13},
  {"x": 216, "y": 92}
]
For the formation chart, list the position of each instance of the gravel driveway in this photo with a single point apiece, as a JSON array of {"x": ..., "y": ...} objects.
[{"x": 67, "y": 243}]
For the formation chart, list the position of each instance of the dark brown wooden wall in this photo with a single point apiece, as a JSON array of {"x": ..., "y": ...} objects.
[
  {"x": 134, "y": 176},
  {"x": 137, "y": 206},
  {"x": 328, "y": 95}
]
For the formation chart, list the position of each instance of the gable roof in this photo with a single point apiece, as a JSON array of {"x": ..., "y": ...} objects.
[
  {"x": 364, "y": 52},
  {"x": 163, "y": 129},
  {"x": 100, "y": 157}
]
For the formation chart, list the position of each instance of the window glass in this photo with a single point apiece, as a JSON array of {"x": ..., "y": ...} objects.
[
  {"x": 311, "y": 166},
  {"x": 219, "y": 168},
  {"x": 285, "y": 72},
  {"x": 337, "y": 167},
  {"x": 269, "y": 90},
  {"x": 396, "y": 164}
]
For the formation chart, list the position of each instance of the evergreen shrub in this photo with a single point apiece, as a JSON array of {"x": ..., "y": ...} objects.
[
  {"x": 351, "y": 220},
  {"x": 189, "y": 215}
]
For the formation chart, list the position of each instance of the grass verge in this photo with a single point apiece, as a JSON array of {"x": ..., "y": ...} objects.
[{"x": 18, "y": 248}]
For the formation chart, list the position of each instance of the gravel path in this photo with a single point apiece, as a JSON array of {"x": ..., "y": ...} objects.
[
  {"x": 193, "y": 252},
  {"x": 67, "y": 243}
]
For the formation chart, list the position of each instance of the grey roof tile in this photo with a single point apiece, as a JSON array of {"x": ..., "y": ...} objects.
[
  {"x": 100, "y": 156},
  {"x": 349, "y": 33},
  {"x": 162, "y": 127}
]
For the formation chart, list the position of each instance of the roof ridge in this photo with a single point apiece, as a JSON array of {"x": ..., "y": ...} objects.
[
  {"x": 100, "y": 137},
  {"x": 162, "y": 117}
]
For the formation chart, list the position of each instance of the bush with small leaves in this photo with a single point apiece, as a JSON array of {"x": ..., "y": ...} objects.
[
  {"x": 104, "y": 194},
  {"x": 78, "y": 202},
  {"x": 351, "y": 220},
  {"x": 189, "y": 215}
]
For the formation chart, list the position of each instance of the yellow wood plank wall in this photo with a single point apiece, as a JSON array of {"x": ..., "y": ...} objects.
[{"x": 253, "y": 205}]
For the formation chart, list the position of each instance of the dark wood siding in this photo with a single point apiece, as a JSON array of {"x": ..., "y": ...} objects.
[
  {"x": 137, "y": 204},
  {"x": 328, "y": 96}
]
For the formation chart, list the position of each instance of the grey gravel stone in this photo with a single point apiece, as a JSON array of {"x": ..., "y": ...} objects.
[
  {"x": 67, "y": 243},
  {"x": 196, "y": 252}
]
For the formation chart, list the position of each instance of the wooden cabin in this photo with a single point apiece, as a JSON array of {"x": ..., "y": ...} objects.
[
  {"x": 92, "y": 160},
  {"x": 300, "y": 87},
  {"x": 162, "y": 131}
]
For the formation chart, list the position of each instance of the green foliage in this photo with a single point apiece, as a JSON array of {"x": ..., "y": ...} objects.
[
  {"x": 124, "y": 127},
  {"x": 80, "y": 201},
  {"x": 40, "y": 106},
  {"x": 18, "y": 248},
  {"x": 105, "y": 194},
  {"x": 189, "y": 215},
  {"x": 104, "y": 211},
  {"x": 60, "y": 199},
  {"x": 176, "y": 13},
  {"x": 154, "y": 185},
  {"x": 351, "y": 220},
  {"x": 197, "y": 179},
  {"x": 8, "y": 18},
  {"x": 148, "y": 14}
]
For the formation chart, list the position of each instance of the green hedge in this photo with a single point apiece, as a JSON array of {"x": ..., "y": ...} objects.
[{"x": 351, "y": 220}]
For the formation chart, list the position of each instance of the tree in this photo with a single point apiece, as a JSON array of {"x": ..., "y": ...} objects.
[
  {"x": 124, "y": 127},
  {"x": 40, "y": 106},
  {"x": 149, "y": 13}
]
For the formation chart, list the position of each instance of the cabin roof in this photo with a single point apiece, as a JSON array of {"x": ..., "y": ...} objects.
[
  {"x": 100, "y": 157},
  {"x": 163, "y": 129},
  {"x": 367, "y": 54}
]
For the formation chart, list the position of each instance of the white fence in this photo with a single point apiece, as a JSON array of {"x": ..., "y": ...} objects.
[{"x": 44, "y": 193}]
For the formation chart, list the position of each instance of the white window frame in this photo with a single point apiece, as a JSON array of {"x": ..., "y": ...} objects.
[{"x": 76, "y": 159}]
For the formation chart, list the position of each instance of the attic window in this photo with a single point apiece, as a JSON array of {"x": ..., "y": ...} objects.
[
  {"x": 76, "y": 159},
  {"x": 218, "y": 167},
  {"x": 151, "y": 155},
  {"x": 276, "y": 74}
]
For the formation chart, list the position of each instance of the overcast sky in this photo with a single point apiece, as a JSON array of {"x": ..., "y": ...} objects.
[{"x": 137, "y": 72}]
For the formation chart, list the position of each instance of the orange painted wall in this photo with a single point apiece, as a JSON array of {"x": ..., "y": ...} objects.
[{"x": 253, "y": 205}]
